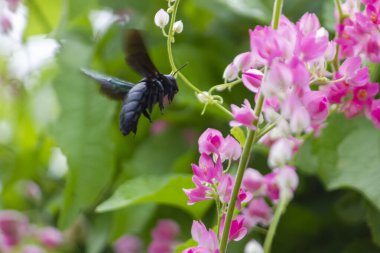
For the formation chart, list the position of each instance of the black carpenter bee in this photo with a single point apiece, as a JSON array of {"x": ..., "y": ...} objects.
[{"x": 140, "y": 98}]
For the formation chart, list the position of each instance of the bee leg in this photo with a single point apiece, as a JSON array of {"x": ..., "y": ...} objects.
[
  {"x": 160, "y": 95},
  {"x": 146, "y": 114},
  {"x": 152, "y": 99}
]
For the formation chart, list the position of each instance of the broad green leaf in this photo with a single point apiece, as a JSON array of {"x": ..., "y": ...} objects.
[
  {"x": 239, "y": 135},
  {"x": 98, "y": 234},
  {"x": 347, "y": 155},
  {"x": 157, "y": 189},
  {"x": 189, "y": 243},
  {"x": 256, "y": 8},
  {"x": 43, "y": 16},
  {"x": 83, "y": 132}
]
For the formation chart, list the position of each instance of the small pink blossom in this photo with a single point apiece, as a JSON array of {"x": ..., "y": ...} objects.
[
  {"x": 243, "y": 116},
  {"x": 206, "y": 170},
  {"x": 317, "y": 105},
  {"x": 244, "y": 61},
  {"x": 230, "y": 149},
  {"x": 164, "y": 235},
  {"x": 375, "y": 113},
  {"x": 128, "y": 244},
  {"x": 266, "y": 44},
  {"x": 278, "y": 82},
  {"x": 257, "y": 212},
  {"x": 252, "y": 180},
  {"x": 32, "y": 249},
  {"x": 206, "y": 239},
  {"x": 225, "y": 188},
  {"x": 252, "y": 79},
  {"x": 158, "y": 127},
  {"x": 50, "y": 237},
  {"x": 210, "y": 141},
  {"x": 280, "y": 153},
  {"x": 13, "y": 227},
  {"x": 200, "y": 193},
  {"x": 313, "y": 47},
  {"x": 237, "y": 229},
  {"x": 5, "y": 24},
  {"x": 308, "y": 23},
  {"x": 353, "y": 73}
]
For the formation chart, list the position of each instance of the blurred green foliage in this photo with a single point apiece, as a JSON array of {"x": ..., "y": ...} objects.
[{"x": 336, "y": 208}]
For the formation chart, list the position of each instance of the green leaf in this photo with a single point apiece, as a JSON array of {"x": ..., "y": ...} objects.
[
  {"x": 347, "y": 156},
  {"x": 83, "y": 132},
  {"x": 157, "y": 189},
  {"x": 189, "y": 243},
  {"x": 373, "y": 219},
  {"x": 239, "y": 135},
  {"x": 256, "y": 8},
  {"x": 43, "y": 16}
]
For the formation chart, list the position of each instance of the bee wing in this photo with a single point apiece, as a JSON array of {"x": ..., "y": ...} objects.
[
  {"x": 110, "y": 86},
  {"x": 137, "y": 55}
]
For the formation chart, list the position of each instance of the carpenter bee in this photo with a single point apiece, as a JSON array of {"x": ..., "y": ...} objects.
[{"x": 137, "y": 98}]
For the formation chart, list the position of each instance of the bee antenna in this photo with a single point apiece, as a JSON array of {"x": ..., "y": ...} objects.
[{"x": 184, "y": 65}]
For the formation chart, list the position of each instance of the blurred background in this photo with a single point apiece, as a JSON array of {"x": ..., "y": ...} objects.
[{"x": 61, "y": 152}]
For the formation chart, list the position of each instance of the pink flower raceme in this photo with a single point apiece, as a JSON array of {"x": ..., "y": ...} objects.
[
  {"x": 164, "y": 235},
  {"x": 206, "y": 239},
  {"x": 243, "y": 116},
  {"x": 281, "y": 179}
]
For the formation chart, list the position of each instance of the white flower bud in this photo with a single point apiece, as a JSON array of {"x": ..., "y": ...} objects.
[
  {"x": 231, "y": 72},
  {"x": 280, "y": 153},
  {"x": 161, "y": 19},
  {"x": 253, "y": 247},
  {"x": 300, "y": 120},
  {"x": 178, "y": 26},
  {"x": 203, "y": 97}
]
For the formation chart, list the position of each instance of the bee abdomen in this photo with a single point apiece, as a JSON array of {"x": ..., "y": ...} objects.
[{"x": 134, "y": 104}]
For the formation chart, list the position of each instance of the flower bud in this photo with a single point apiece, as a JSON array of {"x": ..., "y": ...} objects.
[
  {"x": 253, "y": 247},
  {"x": 244, "y": 61},
  {"x": 5, "y": 25},
  {"x": 161, "y": 19},
  {"x": 280, "y": 153},
  {"x": 203, "y": 97},
  {"x": 231, "y": 72},
  {"x": 300, "y": 120},
  {"x": 178, "y": 26}
]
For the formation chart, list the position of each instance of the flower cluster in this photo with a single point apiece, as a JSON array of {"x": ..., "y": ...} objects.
[
  {"x": 17, "y": 233},
  {"x": 213, "y": 182},
  {"x": 359, "y": 32},
  {"x": 161, "y": 19}
]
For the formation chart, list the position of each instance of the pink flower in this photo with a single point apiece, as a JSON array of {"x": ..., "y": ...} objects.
[
  {"x": 237, "y": 229},
  {"x": 317, "y": 105},
  {"x": 258, "y": 212},
  {"x": 13, "y": 227},
  {"x": 252, "y": 79},
  {"x": 199, "y": 193},
  {"x": 210, "y": 141},
  {"x": 313, "y": 46},
  {"x": 353, "y": 73},
  {"x": 32, "y": 191},
  {"x": 299, "y": 120},
  {"x": 206, "y": 239},
  {"x": 50, "y": 237},
  {"x": 13, "y": 4},
  {"x": 158, "y": 127},
  {"x": 243, "y": 116},
  {"x": 278, "y": 82},
  {"x": 207, "y": 171},
  {"x": 266, "y": 44},
  {"x": 280, "y": 153},
  {"x": 244, "y": 61},
  {"x": 361, "y": 100},
  {"x": 230, "y": 149},
  {"x": 375, "y": 113},
  {"x": 308, "y": 23},
  {"x": 242, "y": 198},
  {"x": 164, "y": 235},
  {"x": 252, "y": 180},
  {"x": 301, "y": 75},
  {"x": 128, "y": 244},
  {"x": 225, "y": 188}
]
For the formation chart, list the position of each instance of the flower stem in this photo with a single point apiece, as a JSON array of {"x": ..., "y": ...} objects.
[
  {"x": 273, "y": 226},
  {"x": 251, "y": 137},
  {"x": 170, "y": 39}
]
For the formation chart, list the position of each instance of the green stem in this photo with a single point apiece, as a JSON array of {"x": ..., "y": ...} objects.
[
  {"x": 244, "y": 160},
  {"x": 239, "y": 176},
  {"x": 273, "y": 226},
  {"x": 265, "y": 130},
  {"x": 335, "y": 62},
  {"x": 173, "y": 66}
]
